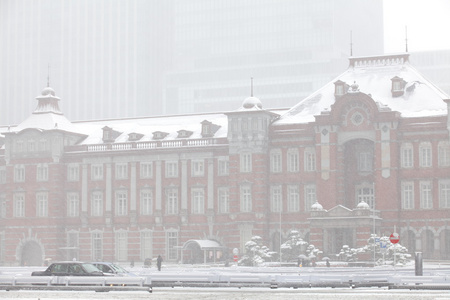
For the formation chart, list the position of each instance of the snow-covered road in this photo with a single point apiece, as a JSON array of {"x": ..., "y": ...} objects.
[{"x": 235, "y": 294}]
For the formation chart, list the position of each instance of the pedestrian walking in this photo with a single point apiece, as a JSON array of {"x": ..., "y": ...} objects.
[{"x": 159, "y": 262}]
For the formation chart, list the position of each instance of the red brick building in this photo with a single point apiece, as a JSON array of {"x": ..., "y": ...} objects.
[{"x": 368, "y": 152}]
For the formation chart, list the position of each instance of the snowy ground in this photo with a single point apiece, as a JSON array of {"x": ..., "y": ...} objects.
[{"x": 234, "y": 293}]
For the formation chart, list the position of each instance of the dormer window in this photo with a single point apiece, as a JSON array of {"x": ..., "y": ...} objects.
[
  {"x": 340, "y": 88},
  {"x": 184, "y": 133},
  {"x": 159, "y": 135},
  {"x": 135, "y": 136},
  {"x": 209, "y": 129},
  {"x": 398, "y": 86},
  {"x": 109, "y": 135}
]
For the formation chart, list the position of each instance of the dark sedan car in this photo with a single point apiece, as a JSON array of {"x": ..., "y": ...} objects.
[{"x": 71, "y": 268}]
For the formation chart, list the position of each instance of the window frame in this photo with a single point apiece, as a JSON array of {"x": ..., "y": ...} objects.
[
  {"x": 97, "y": 204},
  {"x": 121, "y": 203},
  {"x": 73, "y": 205},
  {"x": 223, "y": 197}
]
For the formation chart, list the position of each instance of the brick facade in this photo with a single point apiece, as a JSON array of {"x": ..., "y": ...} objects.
[{"x": 93, "y": 193}]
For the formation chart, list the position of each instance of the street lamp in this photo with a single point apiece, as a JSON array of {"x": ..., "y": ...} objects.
[{"x": 280, "y": 209}]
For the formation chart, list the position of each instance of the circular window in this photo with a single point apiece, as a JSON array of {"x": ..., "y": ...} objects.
[{"x": 357, "y": 118}]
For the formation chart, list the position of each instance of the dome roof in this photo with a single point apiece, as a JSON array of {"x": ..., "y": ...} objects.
[
  {"x": 252, "y": 102},
  {"x": 362, "y": 205},
  {"x": 316, "y": 206},
  {"x": 48, "y": 91}
]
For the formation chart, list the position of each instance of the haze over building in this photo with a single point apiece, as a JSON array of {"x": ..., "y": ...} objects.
[{"x": 104, "y": 53}]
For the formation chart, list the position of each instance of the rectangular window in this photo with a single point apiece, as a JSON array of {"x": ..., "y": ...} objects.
[
  {"x": 43, "y": 145},
  {"x": 97, "y": 172},
  {"x": 198, "y": 201},
  {"x": 172, "y": 201},
  {"x": 2, "y": 246},
  {"x": 310, "y": 160},
  {"x": 146, "y": 202},
  {"x": 121, "y": 203},
  {"x": 293, "y": 161},
  {"x": 73, "y": 172},
  {"x": 246, "y": 198},
  {"x": 146, "y": 169},
  {"x": 293, "y": 198},
  {"x": 223, "y": 165},
  {"x": 31, "y": 145},
  {"x": 444, "y": 194},
  {"x": 19, "y": 146},
  {"x": 245, "y": 233},
  {"x": 426, "y": 196},
  {"x": 97, "y": 204},
  {"x": 310, "y": 196},
  {"x": 275, "y": 162},
  {"x": 365, "y": 193},
  {"x": 172, "y": 245},
  {"x": 198, "y": 168},
  {"x": 276, "y": 198},
  {"x": 73, "y": 205},
  {"x": 121, "y": 246},
  {"x": 97, "y": 246},
  {"x": 425, "y": 155},
  {"x": 407, "y": 195},
  {"x": 42, "y": 172},
  {"x": 2, "y": 175},
  {"x": 121, "y": 171},
  {"x": 42, "y": 205},
  {"x": 72, "y": 244},
  {"x": 171, "y": 169},
  {"x": 246, "y": 162},
  {"x": 146, "y": 245},
  {"x": 19, "y": 173},
  {"x": 365, "y": 162},
  {"x": 444, "y": 154},
  {"x": 19, "y": 205},
  {"x": 407, "y": 156},
  {"x": 224, "y": 200},
  {"x": 2, "y": 206}
]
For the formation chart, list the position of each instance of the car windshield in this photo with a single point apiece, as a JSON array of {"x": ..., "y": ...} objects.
[
  {"x": 118, "y": 269},
  {"x": 90, "y": 268}
]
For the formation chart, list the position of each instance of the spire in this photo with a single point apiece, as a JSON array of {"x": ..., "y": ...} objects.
[
  {"x": 48, "y": 75},
  {"x": 251, "y": 86},
  {"x": 351, "y": 44},
  {"x": 406, "y": 37}
]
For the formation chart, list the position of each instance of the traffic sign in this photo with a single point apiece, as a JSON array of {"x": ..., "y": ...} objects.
[{"x": 394, "y": 238}]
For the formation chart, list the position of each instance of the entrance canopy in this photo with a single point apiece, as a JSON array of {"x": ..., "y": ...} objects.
[{"x": 204, "y": 246}]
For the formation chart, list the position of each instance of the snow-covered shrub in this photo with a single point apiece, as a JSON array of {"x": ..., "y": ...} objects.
[
  {"x": 348, "y": 254},
  {"x": 383, "y": 254},
  {"x": 295, "y": 246},
  {"x": 255, "y": 253}
]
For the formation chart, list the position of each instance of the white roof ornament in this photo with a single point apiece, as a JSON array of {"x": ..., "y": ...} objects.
[
  {"x": 316, "y": 207},
  {"x": 252, "y": 103},
  {"x": 354, "y": 88},
  {"x": 362, "y": 205}
]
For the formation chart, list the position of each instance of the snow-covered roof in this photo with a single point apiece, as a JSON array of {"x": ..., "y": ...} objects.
[
  {"x": 373, "y": 76},
  {"x": 146, "y": 126},
  {"x": 47, "y": 115}
]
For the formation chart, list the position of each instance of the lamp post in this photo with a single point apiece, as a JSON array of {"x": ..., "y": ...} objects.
[
  {"x": 374, "y": 227},
  {"x": 280, "y": 209}
]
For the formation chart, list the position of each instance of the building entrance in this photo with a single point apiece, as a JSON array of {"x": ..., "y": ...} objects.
[
  {"x": 337, "y": 238},
  {"x": 31, "y": 254}
]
